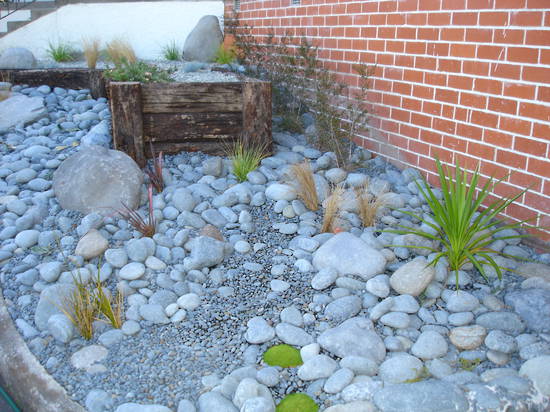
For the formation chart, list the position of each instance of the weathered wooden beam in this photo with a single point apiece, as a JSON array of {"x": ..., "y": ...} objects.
[
  {"x": 127, "y": 121},
  {"x": 256, "y": 113},
  {"x": 182, "y": 126},
  {"x": 191, "y": 97},
  {"x": 217, "y": 148}
]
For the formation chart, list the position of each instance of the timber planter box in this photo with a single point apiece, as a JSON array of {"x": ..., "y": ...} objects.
[{"x": 173, "y": 117}]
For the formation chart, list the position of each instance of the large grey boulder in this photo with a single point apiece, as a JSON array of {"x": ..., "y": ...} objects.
[
  {"x": 20, "y": 110},
  {"x": 533, "y": 306},
  {"x": 17, "y": 58},
  {"x": 52, "y": 300},
  {"x": 98, "y": 180},
  {"x": 204, "y": 40},
  {"x": 347, "y": 254},
  {"x": 354, "y": 337}
]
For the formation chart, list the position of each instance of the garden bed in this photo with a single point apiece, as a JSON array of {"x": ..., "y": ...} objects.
[{"x": 189, "y": 116}]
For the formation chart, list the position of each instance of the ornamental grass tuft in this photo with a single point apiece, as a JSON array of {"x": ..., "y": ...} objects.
[
  {"x": 461, "y": 229},
  {"x": 60, "y": 52},
  {"x": 245, "y": 157},
  {"x": 304, "y": 183}
]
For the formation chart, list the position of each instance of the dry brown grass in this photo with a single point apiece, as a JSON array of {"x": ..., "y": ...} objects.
[
  {"x": 332, "y": 209},
  {"x": 368, "y": 204},
  {"x": 90, "y": 47},
  {"x": 120, "y": 51},
  {"x": 80, "y": 307},
  {"x": 304, "y": 183}
]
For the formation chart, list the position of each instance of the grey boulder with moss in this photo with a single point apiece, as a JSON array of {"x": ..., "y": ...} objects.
[
  {"x": 204, "y": 40},
  {"x": 98, "y": 180}
]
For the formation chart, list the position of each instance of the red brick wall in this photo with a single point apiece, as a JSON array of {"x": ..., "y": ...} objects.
[{"x": 454, "y": 78}]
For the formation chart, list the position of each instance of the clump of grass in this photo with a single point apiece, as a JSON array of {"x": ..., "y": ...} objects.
[
  {"x": 120, "y": 51},
  {"x": 155, "y": 172},
  {"x": 468, "y": 365},
  {"x": 245, "y": 157},
  {"x": 285, "y": 356},
  {"x": 91, "y": 51},
  {"x": 80, "y": 307},
  {"x": 368, "y": 204},
  {"x": 225, "y": 55},
  {"x": 146, "y": 226},
  {"x": 138, "y": 72},
  {"x": 171, "y": 51},
  {"x": 332, "y": 209},
  {"x": 60, "y": 52},
  {"x": 464, "y": 230},
  {"x": 421, "y": 375},
  {"x": 304, "y": 184}
]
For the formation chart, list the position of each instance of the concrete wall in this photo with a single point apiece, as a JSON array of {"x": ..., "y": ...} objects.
[{"x": 148, "y": 26}]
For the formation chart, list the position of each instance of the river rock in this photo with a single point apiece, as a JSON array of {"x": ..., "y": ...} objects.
[
  {"x": 400, "y": 368},
  {"x": 318, "y": 367},
  {"x": 429, "y": 345},
  {"x": 259, "y": 331},
  {"x": 215, "y": 401},
  {"x": 413, "y": 277},
  {"x": 52, "y": 299},
  {"x": 97, "y": 179},
  {"x": 17, "y": 58},
  {"x": 533, "y": 306},
  {"x": 91, "y": 245},
  {"x": 205, "y": 252},
  {"x": 20, "y": 110},
  {"x": 538, "y": 371},
  {"x": 138, "y": 407},
  {"x": 355, "y": 336},
  {"x": 468, "y": 337},
  {"x": 204, "y": 40},
  {"x": 348, "y": 254}
]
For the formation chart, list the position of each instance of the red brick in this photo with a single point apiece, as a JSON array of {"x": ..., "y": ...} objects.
[
  {"x": 428, "y": 63},
  {"x": 421, "y": 120},
  {"x": 475, "y": 67},
  {"x": 441, "y": 154},
  {"x": 411, "y": 104},
  {"x": 479, "y": 35},
  {"x": 509, "y": 36},
  {"x": 453, "y": 5},
  {"x": 387, "y": 6},
  {"x": 402, "y": 88},
  {"x": 488, "y": 86},
  {"x": 435, "y": 79},
  {"x": 522, "y": 91},
  {"x": 427, "y": 34},
  {"x": 419, "y": 147},
  {"x": 511, "y": 159},
  {"x": 523, "y": 54},
  {"x": 516, "y": 126},
  {"x": 395, "y": 19},
  {"x": 469, "y": 130},
  {"x": 439, "y": 19},
  {"x": 526, "y": 18},
  {"x": 493, "y": 170},
  {"x": 463, "y": 50},
  {"x": 406, "y": 33},
  {"x": 465, "y": 18},
  {"x": 417, "y": 19},
  {"x": 543, "y": 94},
  {"x": 525, "y": 180},
  {"x": 407, "y": 5},
  {"x": 451, "y": 34},
  {"x": 445, "y": 95},
  {"x": 415, "y": 47},
  {"x": 446, "y": 126},
  {"x": 484, "y": 119},
  {"x": 481, "y": 150},
  {"x": 473, "y": 100},
  {"x": 535, "y": 111},
  {"x": 438, "y": 49},
  {"x": 539, "y": 167},
  {"x": 541, "y": 131},
  {"x": 490, "y": 52},
  {"x": 431, "y": 108},
  {"x": 396, "y": 46},
  {"x": 502, "y": 105},
  {"x": 508, "y": 71},
  {"x": 537, "y": 4},
  {"x": 454, "y": 144},
  {"x": 386, "y": 32},
  {"x": 423, "y": 92},
  {"x": 403, "y": 60},
  {"x": 409, "y": 131},
  {"x": 460, "y": 82},
  {"x": 461, "y": 114},
  {"x": 536, "y": 74},
  {"x": 509, "y": 4},
  {"x": 530, "y": 146},
  {"x": 493, "y": 18},
  {"x": 537, "y": 201},
  {"x": 520, "y": 212}
]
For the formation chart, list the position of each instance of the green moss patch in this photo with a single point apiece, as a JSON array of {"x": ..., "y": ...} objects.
[
  {"x": 297, "y": 402},
  {"x": 285, "y": 356}
]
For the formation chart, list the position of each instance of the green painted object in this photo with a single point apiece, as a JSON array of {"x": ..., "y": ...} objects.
[
  {"x": 297, "y": 402},
  {"x": 285, "y": 356}
]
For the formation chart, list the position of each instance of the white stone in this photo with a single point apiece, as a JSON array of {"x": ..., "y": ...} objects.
[
  {"x": 91, "y": 245},
  {"x": 413, "y": 277}
]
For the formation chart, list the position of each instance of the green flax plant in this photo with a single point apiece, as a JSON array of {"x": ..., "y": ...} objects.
[{"x": 459, "y": 223}]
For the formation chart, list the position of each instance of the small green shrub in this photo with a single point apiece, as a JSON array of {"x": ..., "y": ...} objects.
[
  {"x": 285, "y": 356},
  {"x": 464, "y": 230},
  {"x": 224, "y": 55},
  {"x": 171, "y": 51},
  {"x": 245, "y": 157},
  {"x": 297, "y": 402},
  {"x": 111, "y": 309},
  {"x": 60, "y": 52},
  {"x": 138, "y": 72},
  {"x": 469, "y": 365},
  {"x": 80, "y": 307}
]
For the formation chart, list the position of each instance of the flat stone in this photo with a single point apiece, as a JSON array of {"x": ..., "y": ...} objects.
[
  {"x": 413, "y": 277},
  {"x": 91, "y": 245},
  {"x": 460, "y": 301},
  {"x": 324, "y": 278},
  {"x": 20, "y": 110},
  {"x": 132, "y": 271},
  {"x": 318, "y": 367},
  {"x": 398, "y": 320},
  {"x": 467, "y": 337},
  {"x": 215, "y": 401},
  {"x": 86, "y": 357},
  {"x": 153, "y": 313},
  {"x": 360, "y": 365},
  {"x": 348, "y": 254},
  {"x": 497, "y": 340},
  {"x": 137, "y": 407},
  {"x": 259, "y": 331},
  {"x": 293, "y": 335},
  {"x": 400, "y": 368},
  {"x": 27, "y": 238},
  {"x": 338, "y": 380},
  {"x": 508, "y": 322},
  {"x": 533, "y": 306},
  {"x": 356, "y": 406},
  {"x": 429, "y": 345},
  {"x": 52, "y": 299},
  {"x": 343, "y": 308},
  {"x": 354, "y": 336},
  {"x": 425, "y": 396},
  {"x": 538, "y": 371},
  {"x": 534, "y": 269}
]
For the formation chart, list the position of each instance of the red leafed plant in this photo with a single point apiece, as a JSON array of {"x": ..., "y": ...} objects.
[
  {"x": 155, "y": 172},
  {"x": 146, "y": 226}
]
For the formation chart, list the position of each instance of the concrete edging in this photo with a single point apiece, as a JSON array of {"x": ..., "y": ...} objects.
[{"x": 25, "y": 379}]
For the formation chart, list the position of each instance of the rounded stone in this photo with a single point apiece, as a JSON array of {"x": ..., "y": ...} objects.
[
  {"x": 467, "y": 337},
  {"x": 132, "y": 271},
  {"x": 429, "y": 345}
]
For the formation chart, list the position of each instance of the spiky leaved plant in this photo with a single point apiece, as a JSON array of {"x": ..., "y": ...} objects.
[
  {"x": 146, "y": 226},
  {"x": 461, "y": 225},
  {"x": 155, "y": 172}
]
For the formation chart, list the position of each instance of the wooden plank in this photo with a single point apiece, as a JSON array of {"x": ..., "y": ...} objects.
[
  {"x": 184, "y": 126},
  {"x": 191, "y": 97},
  {"x": 67, "y": 78},
  {"x": 126, "y": 117},
  {"x": 97, "y": 84},
  {"x": 256, "y": 112},
  {"x": 214, "y": 148}
]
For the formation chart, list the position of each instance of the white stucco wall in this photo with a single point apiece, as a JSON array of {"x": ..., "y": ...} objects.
[{"x": 148, "y": 26}]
